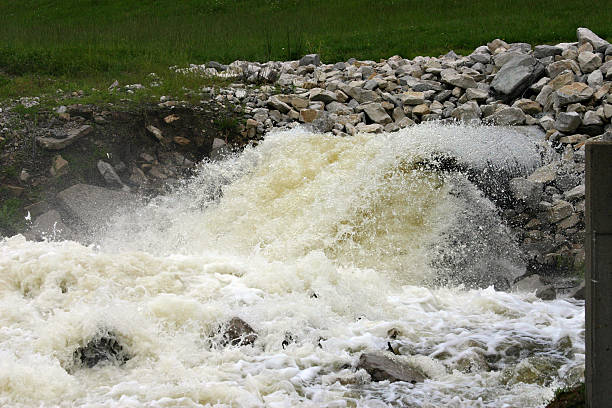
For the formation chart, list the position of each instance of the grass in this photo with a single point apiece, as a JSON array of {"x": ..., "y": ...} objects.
[
  {"x": 11, "y": 218},
  {"x": 77, "y": 44}
]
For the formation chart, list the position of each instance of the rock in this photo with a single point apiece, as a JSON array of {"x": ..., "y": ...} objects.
[
  {"x": 588, "y": 61},
  {"x": 421, "y": 109},
  {"x": 452, "y": 77},
  {"x": 562, "y": 209},
  {"x": 529, "y": 283},
  {"x": 155, "y": 132},
  {"x": 575, "y": 193},
  {"x": 110, "y": 175},
  {"x": 516, "y": 76},
  {"x": 568, "y": 222},
  {"x": 388, "y": 367},
  {"x": 92, "y": 206},
  {"x": 310, "y": 59},
  {"x": 308, "y": 115},
  {"x": 564, "y": 78},
  {"x": 528, "y": 106},
  {"x": 544, "y": 174},
  {"x": 567, "y": 122},
  {"x": 275, "y": 103},
  {"x": 574, "y": 92},
  {"x": 468, "y": 112},
  {"x": 476, "y": 94},
  {"x": 24, "y": 176},
  {"x": 171, "y": 118},
  {"x": 527, "y": 191},
  {"x": 59, "y": 166},
  {"x": 373, "y": 128},
  {"x": 580, "y": 293},
  {"x": 72, "y": 135},
  {"x": 238, "y": 333},
  {"x": 543, "y": 51},
  {"x": 558, "y": 67},
  {"x": 377, "y": 114},
  {"x": 507, "y": 117},
  {"x": 412, "y": 98},
  {"x": 220, "y": 150},
  {"x": 103, "y": 347},
  {"x": 595, "y": 79},
  {"x": 592, "y": 118},
  {"x": 50, "y": 226},
  {"x": 318, "y": 94},
  {"x": 546, "y": 293},
  {"x": 587, "y": 36}
]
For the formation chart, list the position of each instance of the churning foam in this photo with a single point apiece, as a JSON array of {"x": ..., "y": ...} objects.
[{"x": 333, "y": 241}]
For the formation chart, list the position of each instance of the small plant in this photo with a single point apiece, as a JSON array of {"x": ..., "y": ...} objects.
[{"x": 11, "y": 219}]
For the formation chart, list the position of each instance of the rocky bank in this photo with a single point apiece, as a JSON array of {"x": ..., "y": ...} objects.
[{"x": 562, "y": 93}]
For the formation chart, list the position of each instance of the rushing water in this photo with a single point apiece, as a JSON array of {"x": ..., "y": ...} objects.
[{"x": 330, "y": 242}]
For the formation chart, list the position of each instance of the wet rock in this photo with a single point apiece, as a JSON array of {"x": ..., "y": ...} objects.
[
  {"x": 104, "y": 347},
  {"x": 70, "y": 136},
  {"x": 507, "y": 117},
  {"x": 468, "y": 112},
  {"x": 580, "y": 293},
  {"x": 559, "y": 211},
  {"x": 546, "y": 293},
  {"x": 110, "y": 175},
  {"x": 527, "y": 191},
  {"x": 49, "y": 226},
  {"x": 238, "y": 333},
  {"x": 567, "y": 122},
  {"x": 388, "y": 367},
  {"x": 220, "y": 150}
]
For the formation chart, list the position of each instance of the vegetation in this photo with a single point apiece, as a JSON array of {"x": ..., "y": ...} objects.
[
  {"x": 569, "y": 398},
  {"x": 75, "y": 44},
  {"x": 11, "y": 219}
]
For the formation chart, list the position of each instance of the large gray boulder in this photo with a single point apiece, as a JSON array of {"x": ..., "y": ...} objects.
[
  {"x": 516, "y": 75},
  {"x": 567, "y": 122},
  {"x": 377, "y": 114},
  {"x": 507, "y": 117},
  {"x": 587, "y": 36},
  {"x": 71, "y": 136},
  {"x": 527, "y": 191},
  {"x": 94, "y": 207}
]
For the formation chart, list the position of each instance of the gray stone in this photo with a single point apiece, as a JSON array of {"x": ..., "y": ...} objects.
[
  {"x": 507, "y": 117},
  {"x": 155, "y": 132},
  {"x": 388, "y": 367},
  {"x": 49, "y": 226},
  {"x": 318, "y": 94},
  {"x": 109, "y": 174},
  {"x": 517, "y": 75},
  {"x": 275, "y": 103},
  {"x": 377, "y": 113},
  {"x": 588, "y": 61},
  {"x": 574, "y": 92},
  {"x": 468, "y": 112},
  {"x": 238, "y": 333},
  {"x": 527, "y": 191},
  {"x": 546, "y": 293},
  {"x": 71, "y": 136},
  {"x": 543, "y": 51},
  {"x": 595, "y": 78},
  {"x": 310, "y": 59},
  {"x": 592, "y": 118},
  {"x": 587, "y": 36},
  {"x": 567, "y": 122},
  {"x": 562, "y": 209},
  {"x": 476, "y": 94},
  {"x": 452, "y": 77},
  {"x": 338, "y": 108},
  {"x": 529, "y": 283},
  {"x": 92, "y": 206},
  {"x": 558, "y": 67},
  {"x": 544, "y": 174},
  {"x": 412, "y": 98}
]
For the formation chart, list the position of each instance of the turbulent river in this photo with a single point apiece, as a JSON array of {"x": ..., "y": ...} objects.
[{"x": 328, "y": 247}]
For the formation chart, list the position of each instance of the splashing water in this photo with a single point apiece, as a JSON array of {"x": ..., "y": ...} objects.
[{"x": 331, "y": 242}]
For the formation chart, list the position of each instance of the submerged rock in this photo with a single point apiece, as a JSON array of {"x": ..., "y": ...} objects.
[
  {"x": 238, "y": 333},
  {"x": 103, "y": 347},
  {"x": 387, "y": 367}
]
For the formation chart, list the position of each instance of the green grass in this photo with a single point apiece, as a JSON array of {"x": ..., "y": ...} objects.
[
  {"x": 11, "y": 219},
  {"x": 76, "y": 44}
]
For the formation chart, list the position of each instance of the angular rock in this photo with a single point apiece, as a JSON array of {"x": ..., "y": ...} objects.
[
  {"x": 454, "y": 78},
  {"x": 587, "y": 36},
  {"x": 310, "y": 59},
  {"x": 558, "y": 67},
  {"x": 543, "y": 51},
  {"x": 527, "y": 191},
  {"x": 546, "y": 293},
  {"x": 308, "y": 115},
  {"x": 528, "y": 106},
  {"x": 275, "y": 103},
  {"x": 109, "y": 174},
  {"x": 103, "y": 347},
  {"x": 476, "y": 94},
  {"x": 574, "y": 92},
  {"x": 507, "y": 117},
  {"x": 59, "y": 166},
  {"x": 377, "y": 114},
  {"x": 238, "y": 333},
  {"x": 49, "y": 226},
  {"x": 588, "y": 61},
  {"x": 567, "y": 122},
  {"x": 92, "y": 206},
  {"x": 388, "y": 367},
  {"x": 412, "y": 98},
  {"x": 318, "y": 94},
  {"x": 468, "y": 112},
  {"x": 562, "y": 209},
  {"x": 155, "y": 132},
  {"x": 72, "y": 135},
  {"x": 517, "y": 75}
]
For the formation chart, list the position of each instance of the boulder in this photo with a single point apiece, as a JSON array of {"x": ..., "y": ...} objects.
[
  {"x": 468, "y": 112},
  {"x": 388, "y": 367},
  {"x": 516, "y": 76},
  {"x": 507, "y": 117},
  {"x": 318, "y": 94},
  {"x": 71, "y": 136},
  {"x": 454, "y": 78},
  {"x": 104, "y": 347},
  {"x": 558, "y": 67},
  {"x": 588, "y": 61},
  {"x": 562, "y": 209},
  {"x": 574, "y": 92},
  {"x": 543, "y": 51},
  {"x": 567, "y": 122},
  {"x": 49, "y": 225},
  {"x": 587, "y": 36},
  {"x": 310, "y": 59},
  {"x": 527, "y": 191},
  {"x": 238, "y": 333},
  {"x": 377, "y": 113}
]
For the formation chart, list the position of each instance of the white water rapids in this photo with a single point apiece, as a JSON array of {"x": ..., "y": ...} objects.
[{"x": 332, "y": 242}]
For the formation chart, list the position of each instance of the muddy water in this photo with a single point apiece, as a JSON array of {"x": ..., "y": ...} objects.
[{"x": 332, "y": 243}]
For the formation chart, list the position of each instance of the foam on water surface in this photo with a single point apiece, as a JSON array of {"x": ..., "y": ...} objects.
[{"x": 330, "y": 242}]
